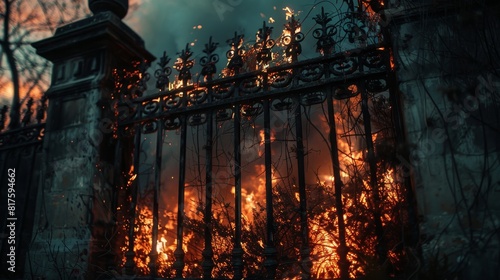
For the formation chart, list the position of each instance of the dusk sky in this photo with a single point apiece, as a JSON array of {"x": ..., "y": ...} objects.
[{"x": 170, "y": 24}]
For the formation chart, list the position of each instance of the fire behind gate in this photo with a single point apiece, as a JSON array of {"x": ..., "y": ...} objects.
[{"x": 276, "y": 167}]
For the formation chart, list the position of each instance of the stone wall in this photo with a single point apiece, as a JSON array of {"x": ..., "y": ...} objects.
[
  {"x": 74, "y": 228},
  {"x": 447, "y": 61}
]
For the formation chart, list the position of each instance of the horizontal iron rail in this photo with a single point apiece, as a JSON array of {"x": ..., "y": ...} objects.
[
  {"x": 23, "y": 136},
  {"x": 303, "y": 87}
]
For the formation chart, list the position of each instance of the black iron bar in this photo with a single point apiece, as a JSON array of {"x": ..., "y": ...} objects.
[
  {"x": 130, "y": 254},
  {"x": 305, "y": 259},
  {"x": 334, "y": 155},
  {"x": 153, "y": 256},
  {"x": 381, "y": 247},
  {"x": 208, "y": 263},
  {"x": 270, "y": 252},
  {"x": 179, "y": 251},
  {"x": 237, "y": 253}
]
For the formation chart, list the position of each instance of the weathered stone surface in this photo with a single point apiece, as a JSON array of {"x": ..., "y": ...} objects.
[
  {"x": 448, "y": 93},
  {"x": 75, "y": 203}
]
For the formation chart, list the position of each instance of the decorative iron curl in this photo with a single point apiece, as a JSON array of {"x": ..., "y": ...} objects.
[
  {"x": 42, "y": 107},
  {"x": 143, "y": 78},
  {"x": 28, "y": 112},
  {"x": 162, "y": 74},
  {"x": 264, "y": 45},
  {"x": 292, "y": 39},
  {"x": 355, "y": 33},
  {"x": 325, "y": 33},
  {"x": 208, "y": 62},
  {"x": 252, "y": 110},
  {"x": 184, "y": 64},
  {"x": 235, "y": 54}
]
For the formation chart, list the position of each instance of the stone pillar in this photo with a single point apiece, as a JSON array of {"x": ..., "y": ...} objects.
[
  {"x": 74, "y": 224},
  {"x": 446, "y": 58}
]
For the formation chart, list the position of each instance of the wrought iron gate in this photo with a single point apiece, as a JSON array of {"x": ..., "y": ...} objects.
[{"x": 254, "y": 83}]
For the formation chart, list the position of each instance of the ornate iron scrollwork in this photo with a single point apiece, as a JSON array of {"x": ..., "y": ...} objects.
[
  {"x": 376, "y": 85},
  {"x": 224, "y": 115},
  {"x": 292, "y": 39},
  {"x": 197, "y": 119},
  {"x": 311, "y": 73},
  {"x": 312, "y": 98},
  {"x": 172, "y": 123},
  {"x": 151, "y": 107},
  {"x": 173, "y": 101},
  {"x": 375, "y": 59},
  {"x": 223, "y": 91},
  {"x": 197, "y": 96},
  {"x": 208, "y": 62},
  {"x": 346, "y": 92},
  {"x": 251, "y": 85},
  {"x": 325, "y": 33},
  {"x": 184, "y": 65},
  {"x": 149, "y": 126},
  {"x": 162, "y": 74},
  {"x": 235, "y": 54},
  {"x": 344, "y": 66},
  {"x": 126, "y": 110},
  {"x": 282, "y": 104},
  {"x": 251, "y": 110},
  {"x": 281, "y": 79},
  {"x": 264, "y": 45}
]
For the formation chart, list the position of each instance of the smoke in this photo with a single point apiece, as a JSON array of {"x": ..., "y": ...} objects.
[{"x": 170, "y": 25}]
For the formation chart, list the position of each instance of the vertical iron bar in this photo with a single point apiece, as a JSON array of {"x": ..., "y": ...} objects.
[
  {"x": 179, "y": 252},
  {"x": 208, "y": 263},
  {"x": 304, "y": 229},
  {"x": 334, "y": 155},
  {"x": 270, "y": 252},
  {"x": 130, "y": 254},
  {"x": 237, "y": 253},
  {"x": 379, "y": 231},
  {"x": 153, "y": 256}
]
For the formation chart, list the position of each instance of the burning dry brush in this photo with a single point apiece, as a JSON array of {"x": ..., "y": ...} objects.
[
  {"x": 359, "y": 206},
  {"x": 372, "y": 252}
]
